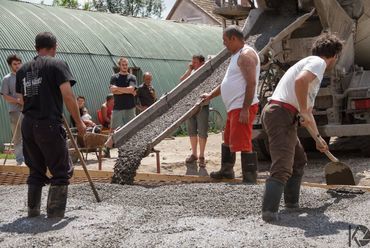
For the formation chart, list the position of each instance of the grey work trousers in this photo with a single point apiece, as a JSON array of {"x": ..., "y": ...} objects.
[{"x": 122, "y": 117}]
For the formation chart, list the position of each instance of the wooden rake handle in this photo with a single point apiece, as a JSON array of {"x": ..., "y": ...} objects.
[
  {"x": 81, "y": 159},
  {"x": 316, "y": 138}
]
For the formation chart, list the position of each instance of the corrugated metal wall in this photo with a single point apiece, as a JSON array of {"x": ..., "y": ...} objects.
[{"x": 91, "y": 43}]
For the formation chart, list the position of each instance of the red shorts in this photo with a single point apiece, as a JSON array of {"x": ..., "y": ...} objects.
[{"x": 238, "y": 136}]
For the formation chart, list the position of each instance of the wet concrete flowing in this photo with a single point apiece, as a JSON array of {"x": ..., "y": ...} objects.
[
  {"x": 132, "y": 152},
  {"x": 186, "y": 215}
]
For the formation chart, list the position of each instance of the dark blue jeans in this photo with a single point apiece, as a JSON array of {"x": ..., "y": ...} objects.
[{"x": 45, "y": 147}]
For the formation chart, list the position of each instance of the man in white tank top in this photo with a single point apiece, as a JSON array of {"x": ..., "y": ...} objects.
[
  {"x": 239, "y": 94},
  {"x": 295, "y": 94}
]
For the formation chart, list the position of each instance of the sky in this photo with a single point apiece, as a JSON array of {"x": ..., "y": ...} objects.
[{"x": 168, "y": 4}]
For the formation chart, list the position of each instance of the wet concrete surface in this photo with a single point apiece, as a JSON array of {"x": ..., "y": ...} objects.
[{"x": 186, "y": 215}]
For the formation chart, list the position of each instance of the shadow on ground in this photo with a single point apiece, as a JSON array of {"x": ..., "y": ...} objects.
[{"x": 35, "y": 225}]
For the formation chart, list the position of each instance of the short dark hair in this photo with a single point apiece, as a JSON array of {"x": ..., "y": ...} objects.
[
  {"x": 234, "y": 30},
  {"x": 81, "y": 97},
  {"x": 109, "y": 96},
  {"x": 327, "y": 45},
  {"x": 45, "y": 40},
  {"x": 199, "y": 57},
  {"x": 13, "y": 57}
]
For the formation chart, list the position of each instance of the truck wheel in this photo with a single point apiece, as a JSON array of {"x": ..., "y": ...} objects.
[
  {"x": 309, "y": 143},
  {"x": 260, "y": 145}
]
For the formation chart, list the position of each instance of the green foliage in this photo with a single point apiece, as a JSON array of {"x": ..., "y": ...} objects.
[
  {"x": 181, "y": 131},
  {"x": 86, "y": 6},
  {"x": 142, "y": 8},
  {"x": 73, "y": 4},
  {"x": 139, "y": 8}
]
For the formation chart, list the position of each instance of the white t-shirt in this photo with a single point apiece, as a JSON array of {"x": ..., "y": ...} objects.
[
  {"x": 233, "y": 85},
  {"x": 285, "y": 90}
]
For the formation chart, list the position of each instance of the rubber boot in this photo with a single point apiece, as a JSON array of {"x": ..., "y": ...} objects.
[
  {"x": 249, "y": 167},
  {"x": 291, "y": 192},
  {"x": 34, "y": 200},
  {"x": 271, "y": 199},
  {"x": 227, "y": 164},
  {"x": 57, "y": 201}
]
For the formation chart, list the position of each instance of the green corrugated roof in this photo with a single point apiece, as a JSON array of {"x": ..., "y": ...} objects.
[{"x": 91, "y": 42}]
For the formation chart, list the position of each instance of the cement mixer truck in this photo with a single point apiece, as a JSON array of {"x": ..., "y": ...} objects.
[{"x": 342, "y": 107}]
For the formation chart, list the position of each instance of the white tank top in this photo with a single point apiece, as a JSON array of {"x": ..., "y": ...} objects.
[{"x": 233, "y": 85}]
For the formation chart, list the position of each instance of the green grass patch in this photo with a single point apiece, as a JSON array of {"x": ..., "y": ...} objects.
[{"x": 10, "y": 156}]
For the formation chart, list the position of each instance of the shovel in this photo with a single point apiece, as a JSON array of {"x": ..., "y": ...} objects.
[{"x": 336, "y": 172}]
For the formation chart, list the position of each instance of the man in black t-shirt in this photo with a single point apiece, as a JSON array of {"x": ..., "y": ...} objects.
[
  {"x": 43, "y": 84},
  {"x": 123, "y": 86},
  {"x": 146, "y": 93}
]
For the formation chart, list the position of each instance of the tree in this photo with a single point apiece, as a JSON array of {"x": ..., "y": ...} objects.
[
  {"x": 143, "y": 8},
  {"x": 73, "y": 4}
]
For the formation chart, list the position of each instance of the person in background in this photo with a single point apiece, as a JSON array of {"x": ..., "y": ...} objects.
[
  {"x": 84, "y": 113},
  {"x": 14, "y": 105},
  {"x": 123, "y": 86},
  {"x": 197, "y": 125},
  {"x": 146, "y": 93},
  {"x": 106, "y": 109}
]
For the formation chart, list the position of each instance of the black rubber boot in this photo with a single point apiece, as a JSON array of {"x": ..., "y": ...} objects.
[
  {"x": 57, "y": 201},
  {"x": 227, "y": 164},
  {"x": 249, "y": 167},
  {"x": 271, "y": 199},
  {"x": 34, "y": 200},
  {"x": 291, "y": 192}
]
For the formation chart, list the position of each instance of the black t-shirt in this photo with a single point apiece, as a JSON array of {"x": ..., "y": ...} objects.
[
  {"x": 146, "y": 95},
  {"x": 123, "y": 101},
  {"x": 38, "y": 81}
]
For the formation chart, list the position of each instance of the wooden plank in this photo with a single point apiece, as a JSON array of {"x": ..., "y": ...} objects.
[
  {"x": 93, "y": 173},
  {"x": 78, "y": 172},
  {"x": 180, "y": 178},
  {"x": 174, "y": 178},
  {"x": 15, "y": 169}
]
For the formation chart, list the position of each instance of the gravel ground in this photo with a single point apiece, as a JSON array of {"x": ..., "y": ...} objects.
[{"x": 196, "y": 215}]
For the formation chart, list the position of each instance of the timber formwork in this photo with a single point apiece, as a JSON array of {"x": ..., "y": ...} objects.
[{"x": 17, "y": 175}]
